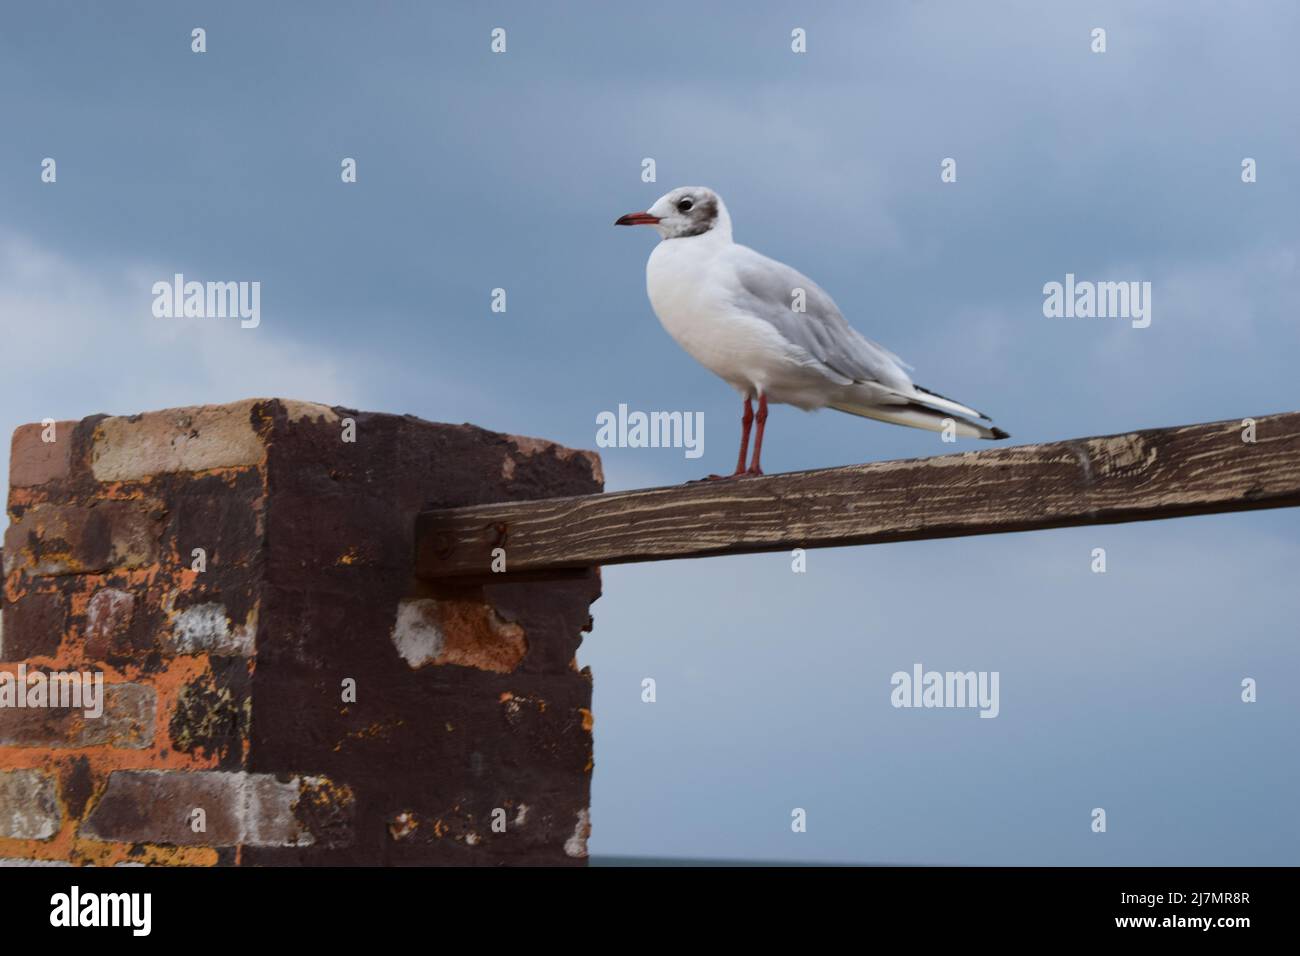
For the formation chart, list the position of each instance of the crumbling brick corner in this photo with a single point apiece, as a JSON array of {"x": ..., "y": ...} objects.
[{"x": 279, "y": 688}]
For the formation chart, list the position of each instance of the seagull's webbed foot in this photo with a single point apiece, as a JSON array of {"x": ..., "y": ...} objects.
[{"x": 734, "y": 474}]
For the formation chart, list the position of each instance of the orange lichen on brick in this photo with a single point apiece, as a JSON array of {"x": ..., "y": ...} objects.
[
  {"x": 380, "y": 730},
  {"x": 100, "y": 760},
  {"x": 403, "y": 825},
  {"x": 468, "y": 633},
  {"x": 65, "y": 847}
]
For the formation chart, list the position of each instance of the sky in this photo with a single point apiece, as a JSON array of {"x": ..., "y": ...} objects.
[{"x": 479, "y": 170}]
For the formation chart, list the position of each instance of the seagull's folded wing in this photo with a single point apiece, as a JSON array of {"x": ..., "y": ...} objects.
[{"x": 769, "y": 290}]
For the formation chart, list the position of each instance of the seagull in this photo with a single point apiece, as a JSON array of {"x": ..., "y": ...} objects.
[{"x": 772, "y": 333}]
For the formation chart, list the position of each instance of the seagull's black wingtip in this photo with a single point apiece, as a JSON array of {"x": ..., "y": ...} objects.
[{"x": 999, "y": 433}]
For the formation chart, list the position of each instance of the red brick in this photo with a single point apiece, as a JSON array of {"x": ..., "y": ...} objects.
[
  {"x": 127, "y": 722},
  {"x": 176, "y": 440},
  {"x": 155, "y": 806},
  {"x": 33, "y": 461},
  {"x": 108, "y": 618},
  {"x": 29, "y": 808},
  {"x": 33, "y": 626},
  {"x": 75, "y": 538}
]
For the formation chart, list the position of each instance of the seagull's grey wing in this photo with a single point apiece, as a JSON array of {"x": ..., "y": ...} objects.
[{"x": 766, "y": 290}]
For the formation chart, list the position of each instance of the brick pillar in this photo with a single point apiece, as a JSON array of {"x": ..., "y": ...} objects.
[{"x": 228, "y": 670}]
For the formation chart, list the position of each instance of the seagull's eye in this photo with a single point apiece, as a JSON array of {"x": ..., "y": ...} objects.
[{"x": 685, "y": 205}]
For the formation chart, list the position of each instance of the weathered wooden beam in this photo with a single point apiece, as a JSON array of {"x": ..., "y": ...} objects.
[{"x": 1157, "y": 473}]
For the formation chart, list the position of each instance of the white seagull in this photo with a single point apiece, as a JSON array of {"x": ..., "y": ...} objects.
[{"x": 773, "y": 333}]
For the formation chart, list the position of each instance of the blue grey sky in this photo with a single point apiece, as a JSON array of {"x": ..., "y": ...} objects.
[{"x": 478, "y": 171}]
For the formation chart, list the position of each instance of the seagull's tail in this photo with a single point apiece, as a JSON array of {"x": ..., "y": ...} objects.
[{"x": 925, "y": 409}]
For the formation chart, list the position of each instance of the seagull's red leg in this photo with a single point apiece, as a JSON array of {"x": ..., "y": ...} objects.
[
  {"x": 761, "y": 418},
  {"x": 746, "y": 420}
]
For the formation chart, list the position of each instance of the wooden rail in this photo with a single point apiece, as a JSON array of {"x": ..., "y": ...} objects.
[{"x": 1158, "y": 473}]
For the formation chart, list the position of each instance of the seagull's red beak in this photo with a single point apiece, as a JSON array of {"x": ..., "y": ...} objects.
[{"x": 636, "y": 219}]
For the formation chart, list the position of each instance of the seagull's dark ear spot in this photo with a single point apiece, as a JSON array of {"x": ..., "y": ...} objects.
[{"x": 702, "y": 216}]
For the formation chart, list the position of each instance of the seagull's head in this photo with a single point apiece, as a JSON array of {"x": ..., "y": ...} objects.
[{"x": 686, "y": 211}]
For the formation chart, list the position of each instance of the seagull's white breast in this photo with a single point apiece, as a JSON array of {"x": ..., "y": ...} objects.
[{"x": 691, "y": 285}]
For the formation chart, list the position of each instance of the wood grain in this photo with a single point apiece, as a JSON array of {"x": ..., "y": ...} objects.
[{"x": 1139, "y": 476}]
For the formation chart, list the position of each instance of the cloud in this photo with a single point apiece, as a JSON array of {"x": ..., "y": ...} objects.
[{"x": 82, "y": 339}]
